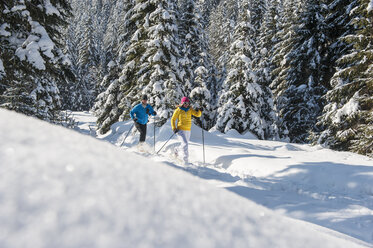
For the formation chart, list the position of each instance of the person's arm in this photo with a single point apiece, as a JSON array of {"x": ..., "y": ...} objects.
[
  {"x": 174, "y": 118},
  {"x": 132, "y": 113},
  {"x": 196, "y": 113},
  {"x": 151, "y": 111}
]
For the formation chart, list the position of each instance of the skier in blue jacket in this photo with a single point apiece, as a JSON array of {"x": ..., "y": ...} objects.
[{"x": 140, "y": 114}]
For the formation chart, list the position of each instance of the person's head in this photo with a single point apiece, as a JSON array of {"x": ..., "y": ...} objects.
[
  {"x": 185, "y": 101},
  {"x": 144, "y": 99}
]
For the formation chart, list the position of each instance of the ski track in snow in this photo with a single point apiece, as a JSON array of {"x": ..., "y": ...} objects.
[{"x": 328, "y": 188}]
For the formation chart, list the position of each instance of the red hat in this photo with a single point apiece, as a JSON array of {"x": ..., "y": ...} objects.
[{"x": 184, "y": 99}]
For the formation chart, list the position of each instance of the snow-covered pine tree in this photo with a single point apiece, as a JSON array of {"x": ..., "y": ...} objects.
[
  {"x": 88, "y": 59},
  {"x": 305, "y": 77},
  {"x": 30, "y": 34},
  {"x": 288, "y": 15},
  {"x": 74, "y": 93},
  {"x": 77, "y": 94},
  {"x": 108, "y": 107},
  {"x": 86, "y": 35},
  {"x": 221, "y": 27},
  {"x": 163, "y": 79},
  {"x": 126, "y": 30},
  {"x": 6, "y": 53},
  {"x": 339, "y": 24},
  {"x": 242, "y": 98},
  {"x": 202, "y": 98},
  {"x": 117, "y": 35},
  {"x": 348, "y": 116},
  {"x": 151, "y": 64},
  {"x": 196, "y": 52},
  {"x": 221, "y": 30},
  {"x": 116, "y": 40},
  {"x": 258, "y": 9},
  {"x": 206, "y": 7},
  {"x": 267, "y": 39},
  {"x": 102, "y": 58},
  {"x": 190, "y": 32},
  {"x": 153, "y": 59}
]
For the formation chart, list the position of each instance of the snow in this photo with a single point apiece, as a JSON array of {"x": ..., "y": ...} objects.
[
  {"x": 166, "y": 15},
  {"x": 238, "y": 44},
  {"x": 2, "y": 69},
  {"x": 245, "y": 59},
  {"x": 59, "y": 188},
  {"x": 18, "y": 7},
  {"x": 157, "y": 87},
  {"x": 158, "y": 56},
  {"x": 348, "y": 109},
  {"x": 36, "y": 42},
  {"x": 370, "y": 6},
  {"x": 3, "y": 31},
  {"x": 50, "y": 9},
  {"x": 200, "y": 70},
  {"x": 111, "y": 64}
]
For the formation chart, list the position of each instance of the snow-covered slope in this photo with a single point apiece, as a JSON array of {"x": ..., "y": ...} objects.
[
  {"x": 317, "y": 185},
  {"x": 59, "y": 188}
]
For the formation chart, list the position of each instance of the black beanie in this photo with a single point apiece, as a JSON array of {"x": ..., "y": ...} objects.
[{"x": 144, "y": 97}]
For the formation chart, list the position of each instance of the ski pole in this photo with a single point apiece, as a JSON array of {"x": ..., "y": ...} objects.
[
  {"x": 166, "y": 143},
  {"x": 126, "y": 135},
  {"x": 203, "y": 136},
  {"x": 203, "y": 143},
  {"x": 154, "y": 132}
]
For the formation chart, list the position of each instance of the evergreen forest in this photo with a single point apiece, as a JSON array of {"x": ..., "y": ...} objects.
[{"x": 290, "y": 70}]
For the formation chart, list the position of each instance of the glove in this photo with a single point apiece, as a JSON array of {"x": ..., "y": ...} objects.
[
  {"x": 175, "y": 130},
  {"x": 155, "y": 113},
  {"x": 135, "y": 119}
]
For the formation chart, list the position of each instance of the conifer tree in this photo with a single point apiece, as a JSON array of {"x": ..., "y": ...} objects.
[
  {"x": 242, "y": 98},
  {"x": 348, "y": 116},
  {"x": 31, "y": 36},
  {"x": 221, "y": 30},
  {"x": 258, "y": 9},
  {"x": 305, "y": 77},
  {"x": 198, "y": 59},
  {"x": 206, "y": 7},
  {"x": 152, "y": 63},
  {"x": 287, "y": 24},
  {"x": 267, "y": 40},
  {"x": 191, "y": 33},
  {"x": 162, "y": 77},
  {"x": 202, "y": 99},
  {"x": 90, "y": 55},
  {"x": 108, "y": 107}
]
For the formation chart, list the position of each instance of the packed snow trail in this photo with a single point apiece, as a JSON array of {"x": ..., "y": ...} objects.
[{"x": 325, "y": 187}]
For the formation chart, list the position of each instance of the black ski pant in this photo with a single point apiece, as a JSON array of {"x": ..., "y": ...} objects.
[{"x": 142, "y": 130}]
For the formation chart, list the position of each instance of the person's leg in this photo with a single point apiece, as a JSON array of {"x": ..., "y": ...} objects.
[
  {"x": 142, "y": 132},
  {"x": 186, "y": 150},
  {"x": 184, "y": 137}
]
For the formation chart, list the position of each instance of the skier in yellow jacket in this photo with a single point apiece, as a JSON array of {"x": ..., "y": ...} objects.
[{"x": 183, "y": 116}]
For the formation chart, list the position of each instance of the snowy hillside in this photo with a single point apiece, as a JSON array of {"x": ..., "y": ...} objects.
[
  {"x": 59, "y": 188},
  {"x": 325, "y": 187}
]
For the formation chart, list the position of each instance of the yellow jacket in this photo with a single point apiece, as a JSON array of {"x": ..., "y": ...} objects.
[{"x": 184, "y": 117}]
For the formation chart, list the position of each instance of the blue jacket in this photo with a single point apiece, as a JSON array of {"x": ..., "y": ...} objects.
[{"x": 139, "y": 112}]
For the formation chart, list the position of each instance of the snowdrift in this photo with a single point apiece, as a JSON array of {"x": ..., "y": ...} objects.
[{"x": 59, "y": 188}]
